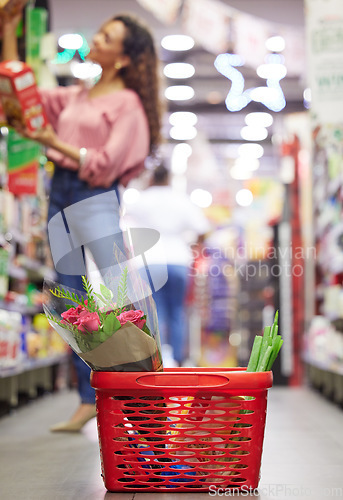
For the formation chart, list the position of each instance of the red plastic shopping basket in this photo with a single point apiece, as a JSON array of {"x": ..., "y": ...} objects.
[{"x": 184, "y": 428}]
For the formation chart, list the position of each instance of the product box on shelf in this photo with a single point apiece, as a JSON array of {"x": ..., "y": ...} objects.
[
  {"x": 10, "y": 327},
  {"x": 19, "y": 95},
  {"x": 3, "y": 119},
  {"x": 4, "y": 265}
]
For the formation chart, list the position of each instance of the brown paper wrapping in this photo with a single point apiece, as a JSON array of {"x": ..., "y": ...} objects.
[{"x": 128, "y": 349}]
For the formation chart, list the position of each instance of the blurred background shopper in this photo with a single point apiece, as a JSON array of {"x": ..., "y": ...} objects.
[
  {"x": 98, "y": 138},
  {"x": 179, "y": 223}
]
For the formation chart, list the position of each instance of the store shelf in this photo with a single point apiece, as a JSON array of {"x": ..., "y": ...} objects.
[
  {"x": 35, "y": 267},
  {"x": 32, "y": 364},
  {"x": 14, "y": 234},
  {"x": 20, "y": 308},
  {"x": 334, "y": 185},
  {"x": 29, "y": 378},
  {"x": 17, "y": 272},
  {"x": 326, "y": 377},
  {"x": 334, "y": 367}
]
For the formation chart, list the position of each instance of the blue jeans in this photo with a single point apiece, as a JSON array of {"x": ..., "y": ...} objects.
[
  {"x": 67, "y": 189},
  {"x": 170, "y": 305}
]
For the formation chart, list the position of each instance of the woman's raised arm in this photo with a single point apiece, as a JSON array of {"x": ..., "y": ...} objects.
[{"x": 9, "y": 37}]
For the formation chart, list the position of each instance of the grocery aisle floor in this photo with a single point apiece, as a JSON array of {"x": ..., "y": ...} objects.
[{"x": 302, "y": 457}]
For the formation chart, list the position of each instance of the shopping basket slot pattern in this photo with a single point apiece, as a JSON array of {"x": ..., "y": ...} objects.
[{"x": 181, "y": 429}]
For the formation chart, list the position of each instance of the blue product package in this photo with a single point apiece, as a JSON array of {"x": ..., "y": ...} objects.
[
  {"x": 181, "y": 479},
  {"x": 144, "y": 452}
]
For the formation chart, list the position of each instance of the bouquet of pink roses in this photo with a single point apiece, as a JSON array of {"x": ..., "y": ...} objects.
[{"x": 106, "y": 329}]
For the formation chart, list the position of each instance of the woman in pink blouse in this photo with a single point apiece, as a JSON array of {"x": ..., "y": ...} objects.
[{"x": 97, "y": 138}]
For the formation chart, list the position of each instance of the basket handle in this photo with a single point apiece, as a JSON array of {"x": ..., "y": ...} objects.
[
  {"x": 232, "y": 380},
  {"x": 191, "y": 380}
]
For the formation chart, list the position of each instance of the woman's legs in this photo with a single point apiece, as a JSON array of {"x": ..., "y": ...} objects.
[
  {"x": 177, "y": 287},
  {"x": 85, "y": 390},
  {"x": 94, "y": 223},
  {"x": 61, "y": 196},
  {"x": 170, "y": 305}
]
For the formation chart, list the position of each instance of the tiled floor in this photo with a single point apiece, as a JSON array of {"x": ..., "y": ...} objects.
[{"x": 302, "y": 456}]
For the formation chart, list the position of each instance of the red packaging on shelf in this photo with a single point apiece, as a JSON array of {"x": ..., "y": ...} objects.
[{"x": 19, "y": 95}]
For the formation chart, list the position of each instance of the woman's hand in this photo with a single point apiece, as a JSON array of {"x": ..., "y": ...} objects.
[
  {"x": 11, "y": 22},
  {"x": 45, "y": 136},
  {"x": 48, "y": 138},
  {"x": 85, "y": 174},
  {"x": 8, "y": 31}
]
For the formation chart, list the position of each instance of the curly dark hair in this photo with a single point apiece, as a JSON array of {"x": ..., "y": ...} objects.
[{"x": 142, "y": 74}]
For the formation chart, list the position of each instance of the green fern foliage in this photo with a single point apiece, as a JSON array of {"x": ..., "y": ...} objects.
[
  {"x": 65, "y": 294},
  {"x": 122, "y": 289}
]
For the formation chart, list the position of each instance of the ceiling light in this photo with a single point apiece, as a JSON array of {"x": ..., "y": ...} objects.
[
  {"x": 179, "y": 70},
  {"x": 251, "y": 150},
  {"x": 287, "y": 170},
  {"x": 179, "y": 167},
  {"x": 85, "y": 70},
  {"x": 224, "y": 60},
  {"x": 240, "y": 174},
  {"x": 307, "y": 95},
  {"x": 183, "y": 133},
  {"x": 131, "y": 196},
  {"x": 244, "y": 197},
  {"x": 70, "y": 41},
  {"x": 179, "y": 93},
  {"x": 183, "y": 118},
  {"x": 201, "y": 197},
  {"x": 264, "y": 94},
  {"x": 272, "y": 71},
  {"x": 274, "y": 59},
  {"x": 271, "y": 97},
  {"x": 254, "y": 133},
  {"x": 259, "y": 119},
  {"x": 177, "y": 42},
  {"x": 275, "y": 44},
  {"x": 183, "y": 149},
  {"x": 246, "y": 163},
  {"x": 179, "y": 157}
]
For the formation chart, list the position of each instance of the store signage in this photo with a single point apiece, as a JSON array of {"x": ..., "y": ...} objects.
[
  {"x": 164, "y": 10},
  {"x": 218, "y": 27},
  {"x": 325, "y": 58},
  {"x": 208, "y": 22}
]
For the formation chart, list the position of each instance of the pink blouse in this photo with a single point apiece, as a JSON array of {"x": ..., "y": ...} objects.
[{"x": 113, "y": 128}]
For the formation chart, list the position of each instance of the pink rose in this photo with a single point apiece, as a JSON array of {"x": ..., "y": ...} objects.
[
  {"x": 71, "y": 315},
  {"x": 87, "y": 321},
  {"x": 134, "y": 316}
]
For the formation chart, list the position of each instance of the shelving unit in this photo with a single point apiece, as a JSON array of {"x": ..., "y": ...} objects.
[
  {"x": 326, "y": 372},
  {"x": 29, "y": 352},
  {"x": 29, "y": 378},
  {"x": 326, "y": 377},
  {"x": 212, "y": 306},
  {"x": 25, "y": 371}
]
